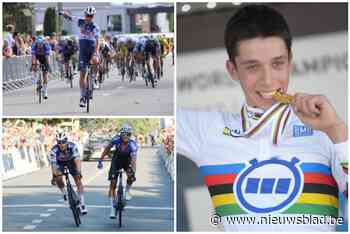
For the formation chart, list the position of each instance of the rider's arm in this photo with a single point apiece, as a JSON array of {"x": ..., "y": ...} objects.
[
  {"x": 53, "y": 159},
  {"x": 106, "y": 151},
  {"x": 68, "y": 16},
  {"x": 133, "y": 160}
]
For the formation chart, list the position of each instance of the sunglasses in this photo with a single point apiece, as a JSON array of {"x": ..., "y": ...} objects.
[
  {"x": 61, "y": 142},
  {"x": 90, "y": 16}
]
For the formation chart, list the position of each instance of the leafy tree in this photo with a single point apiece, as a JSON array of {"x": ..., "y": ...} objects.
[
  {"x": 18, "y": 14},
  {"x": 50, "y": 21},
  {"x": 170, "y": 17}
]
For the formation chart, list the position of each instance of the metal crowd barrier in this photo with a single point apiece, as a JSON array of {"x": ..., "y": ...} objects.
[
  {"x": 17, "y": 74},
  {"x": 168, "y": 161}
]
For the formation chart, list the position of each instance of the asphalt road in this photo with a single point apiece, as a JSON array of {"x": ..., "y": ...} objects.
[
  {"x": 30, "y": 203},
  {"x": 114, "y": 98}
]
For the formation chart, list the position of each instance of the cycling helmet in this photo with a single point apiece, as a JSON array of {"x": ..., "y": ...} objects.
[
  {"x": 61, "y": 137},
  {"x": 90, "y": 10},
  {"x": 40, "y": 39},
  {"x": 125, "y": 130}
]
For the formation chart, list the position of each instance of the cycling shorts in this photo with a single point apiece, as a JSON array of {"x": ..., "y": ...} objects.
[
  {"x": 42, "y": 60},
  {"x": 86, "y": 51},
  {"x": 118, "y": 162},
  {"x": 72, "y": 168}
]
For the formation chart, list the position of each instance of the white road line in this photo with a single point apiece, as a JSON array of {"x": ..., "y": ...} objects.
[
  {"x": 51, "y": 210},
  {"x": 37, "y": 221},
  {"x": 61, "y": 200},
  {"x": 95, "y": 176},
  {"x": 45, "y": 215},
  {"x": 90, "y": 206},
  {"x": 29, "y": 227}
]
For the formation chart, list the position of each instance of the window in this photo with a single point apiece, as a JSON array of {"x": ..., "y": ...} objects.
[{"x": 114, "y": 23}]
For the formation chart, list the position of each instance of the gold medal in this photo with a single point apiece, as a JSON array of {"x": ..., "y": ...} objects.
[{"x": 282, "y": 97}]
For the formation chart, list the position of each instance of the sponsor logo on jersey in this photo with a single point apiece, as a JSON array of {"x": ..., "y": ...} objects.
[
  {"x": 269, "y": 186},
  {"x": 231, "y": 132},
  {"x": 301, "y": 131}
]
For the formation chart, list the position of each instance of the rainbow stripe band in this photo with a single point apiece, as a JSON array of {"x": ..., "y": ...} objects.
[{"x": 319, "y": 195}]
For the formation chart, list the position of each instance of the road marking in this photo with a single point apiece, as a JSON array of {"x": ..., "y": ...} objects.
[
  {"x": 45, "y": 215},
  {"x": 51, "y": 210},
  {"x": 29, "y": 227},
  {"x": 95, "y": 176},
  {"x": 89, "y": 206},
  {"x": 37, "y": 221},
  {"x": 61, "y": 200}
]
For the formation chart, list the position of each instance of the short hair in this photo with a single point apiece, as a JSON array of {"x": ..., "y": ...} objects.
[{"x": 252, "y": 21}]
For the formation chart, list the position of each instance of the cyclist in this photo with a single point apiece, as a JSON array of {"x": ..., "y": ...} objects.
[
  {"x": 53, "y": 41},
  {"x": 68, "y": 50},
  {"x": 139, "y": 54},
  {"x": 41, "y": 52},
  {"x": 106, "y": 51},
  {"x": 88, "y": 47},
  {"x": 131, "y": 43},
  {"x": 124, "y": 157},
  {"x": 164, "y": 50},
  {"x": 122, "y": 50},
  {"x": 65, "y": 153},
  {"x": 152, "y": 50}
]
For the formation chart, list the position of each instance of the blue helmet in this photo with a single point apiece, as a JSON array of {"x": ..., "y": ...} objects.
[{"x": 40, "y": 39}]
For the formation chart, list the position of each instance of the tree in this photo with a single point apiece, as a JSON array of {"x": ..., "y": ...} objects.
[
  {"x": 170, "y": 17},
  {"x": 19, "y": 15},
  {"x": 50, "y": 21}
]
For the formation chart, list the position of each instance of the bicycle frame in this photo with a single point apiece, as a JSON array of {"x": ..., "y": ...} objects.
[
  {"x": 39, "y": 81},
  {"x": 89, "y": 87}
]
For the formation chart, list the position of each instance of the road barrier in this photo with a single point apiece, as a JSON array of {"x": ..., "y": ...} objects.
[
  {"x": 168, "y": 160},
  {"x": 18, "y": 161},
  {"x": 17, "y": 74}
]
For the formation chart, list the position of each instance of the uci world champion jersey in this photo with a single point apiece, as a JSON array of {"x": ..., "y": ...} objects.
[{"x": 273, "y": 167}]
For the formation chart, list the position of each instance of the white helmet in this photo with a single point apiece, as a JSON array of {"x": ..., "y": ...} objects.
[
  {"x": 90, "y": 10},
  {"x": 61, "y": 137}
]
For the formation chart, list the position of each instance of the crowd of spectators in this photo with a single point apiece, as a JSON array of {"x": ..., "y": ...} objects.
[
  {"x": 17, "y": 44},
  {"x": 21, "y": 134}
]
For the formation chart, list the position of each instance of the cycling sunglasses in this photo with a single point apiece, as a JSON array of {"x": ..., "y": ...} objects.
[{"x": 61, "y": 142}]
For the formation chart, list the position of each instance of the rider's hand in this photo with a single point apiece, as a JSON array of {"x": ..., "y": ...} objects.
[{"x": 100, "y": 164}]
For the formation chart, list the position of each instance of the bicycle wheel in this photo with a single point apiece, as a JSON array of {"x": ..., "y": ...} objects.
[
  {"x": 39, "y": 87},
  {"x": 120, "y": 217},
  {"x": 119, "y": 207},
  {"x": 87, "y": 97},
  {"x": 70, "y": 76},
  {"x": 73, "y": 205},
  {"x": 151, "y": 77}
]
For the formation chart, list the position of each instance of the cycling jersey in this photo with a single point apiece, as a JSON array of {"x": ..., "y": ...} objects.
[
  {"x": 268, "y": 165},
  {"x": 122, "y": 156},
  {"x": 130, "y": 150},
  {"x": 88, "y": 31},
  {"x": 57, "y": 154},
  {"x": 68, "y": 49},
  {"x": 43, "y": 50}
]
